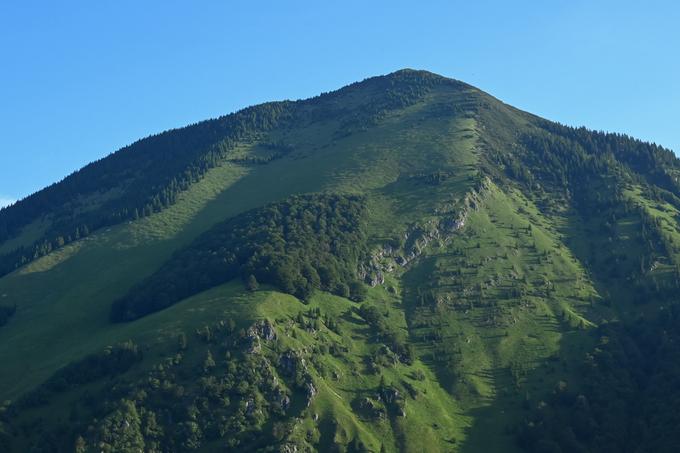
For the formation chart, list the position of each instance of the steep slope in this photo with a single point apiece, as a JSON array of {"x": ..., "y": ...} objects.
[
  {"x": 147, "y": 176},
  {"x": 493, "y": 247}
]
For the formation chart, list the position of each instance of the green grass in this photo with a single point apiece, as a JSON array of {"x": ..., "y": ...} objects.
[
  {"x": 63, "y": 298},
  {"x": 494, "y": 342},
  {"x": 498, "y": 311},
  {"x": 342, "y": 379}
]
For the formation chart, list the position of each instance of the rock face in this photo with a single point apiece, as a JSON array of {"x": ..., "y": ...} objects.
[
  {"x": 261, "y": 330},
  {"x": 311, "y": 392},
  {"x": 418, "y": 237},
  {"x": 289, "y": 448}
]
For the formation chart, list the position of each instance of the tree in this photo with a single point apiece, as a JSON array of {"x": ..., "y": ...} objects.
[
  {"x": 120, "y": 431},
  {"x": 357, "y": 291},
  {"x": 209, "y": 362},
  {"x": 80, "y": 445},
  {"x": 251, "y": 283},
  {"x": 341, "y": 289},
  {"x": 182, "y": 341}
]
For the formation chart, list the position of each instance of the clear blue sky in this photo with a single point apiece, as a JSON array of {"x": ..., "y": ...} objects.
[{"x": 80, "y": 79}]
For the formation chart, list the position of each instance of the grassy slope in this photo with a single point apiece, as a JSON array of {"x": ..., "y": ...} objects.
[
  {"x": 489, "y": 347},
  {"x": 481, "y": 348},
  {"x": 63, "y": 299},
  {"x": 432, "y": 420}
]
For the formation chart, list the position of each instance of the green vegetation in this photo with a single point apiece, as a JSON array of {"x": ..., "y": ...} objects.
[
  {"x": 299, "y": 245},
  {"x": 627, "y": 397},
  {"x": 296, "y": 377},
  {"x": 147, "y": 176},
  {"x": 112, "y": 190},
  {"x": 405, "y": 264}
]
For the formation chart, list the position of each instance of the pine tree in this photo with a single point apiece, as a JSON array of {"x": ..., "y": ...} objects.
[
  {"x": 209, "y": 362},
  {"x": 251, "y": 283}
]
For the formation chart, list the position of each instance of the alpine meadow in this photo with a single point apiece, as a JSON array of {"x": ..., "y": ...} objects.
[{"x": 406, "y": 264}]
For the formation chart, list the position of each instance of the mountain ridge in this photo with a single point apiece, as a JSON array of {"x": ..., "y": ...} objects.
[
  {"x": 207, "y": 133},
  {"x": 497, "y": 252}
]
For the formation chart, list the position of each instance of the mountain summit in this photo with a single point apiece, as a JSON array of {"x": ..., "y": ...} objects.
[{"x": 404, "y": 264}]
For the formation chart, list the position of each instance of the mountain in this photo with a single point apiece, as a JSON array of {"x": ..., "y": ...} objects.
[{"x": 404, "y": 264}]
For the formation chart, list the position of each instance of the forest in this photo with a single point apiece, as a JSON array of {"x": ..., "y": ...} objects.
[
  {"x": 589, "y": 172},
  {"x": 298, "y": 245},
  {"x": 627, "y": 400}
]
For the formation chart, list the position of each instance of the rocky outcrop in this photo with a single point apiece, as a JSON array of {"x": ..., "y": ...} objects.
[
  {"x": 390, "y": 395},
  {"x": 284, "y": 402},
  {"x": 393, "y": 400},
  {"x": 419, "y": 236},
  {"x": 261, "y": 330},
  {"x": 289, "y": 448},
  {"x": 311, "y": 391},
  {"x": 280, "y": 400}
]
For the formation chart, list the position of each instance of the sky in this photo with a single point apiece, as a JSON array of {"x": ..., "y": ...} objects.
[{"x": 81, "y": 79}]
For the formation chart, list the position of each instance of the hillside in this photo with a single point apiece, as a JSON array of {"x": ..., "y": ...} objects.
[{"x": 405, "y": 264}]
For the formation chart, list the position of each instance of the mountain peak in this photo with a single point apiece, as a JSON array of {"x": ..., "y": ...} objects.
[
  {"x": 418, "y": 76},
  {"x": 308, "y": 273},
  {"x": 414, "y": 73}
]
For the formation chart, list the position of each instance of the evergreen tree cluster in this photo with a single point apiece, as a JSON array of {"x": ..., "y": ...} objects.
[
  {"x": 110, "y": 362},
  {"x": 562, "y": 167},
  {"x": 298, "y": 245},
  {"x": 393, "y": 338},
  {"x": 628, "y": 397},
  {"x": 651, "y": 162},
  {"x": 567, "y": 160}
]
